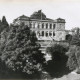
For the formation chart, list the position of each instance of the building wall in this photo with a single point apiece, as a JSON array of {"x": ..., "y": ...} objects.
[
  {"x": 18, "y": 22},
  {"x": 45, "y": 29},
  {"x": 60, "y": 35},
  {"x": 48, "y": 31},
  {"x": 60, "y": 26}
]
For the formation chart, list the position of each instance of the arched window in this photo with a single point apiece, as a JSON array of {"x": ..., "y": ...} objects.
[
  {"x": 38, "y": 25},
  {"x": 54, "y": 26},
  {"x": 53, "y": 34},
  {"x": 42, "y": 25},
  {"x": 46, "y": 25},
  {"x": 47, "y": 34},
  {"x": 50, "y": 26},
  {"x": 38, "y": 32},
  {"x": 50, "y": 33},
  {"x": 42, "y": 33}
]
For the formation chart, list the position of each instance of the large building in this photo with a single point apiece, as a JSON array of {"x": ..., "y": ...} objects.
[{"x": 45, "y": 28}]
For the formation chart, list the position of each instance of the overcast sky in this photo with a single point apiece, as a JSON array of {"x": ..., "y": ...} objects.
[{"x": 66, "y": 9}]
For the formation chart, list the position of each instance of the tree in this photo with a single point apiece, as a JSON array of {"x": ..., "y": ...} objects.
[
  {"x": 77, "y": 31},
  {"x": 0, "y": 26},
  {"x": 4, "y": 21},
  {"x": 76, "y": 39},
  {"x": 57, "y": 66},
  {"x": 68, "y": 38},
  {"x": 4, "y": 24},
  {"x": 21, "y": 51},
  {"x": 73, "y": 57},
  {"x": 74, "y": 52}
]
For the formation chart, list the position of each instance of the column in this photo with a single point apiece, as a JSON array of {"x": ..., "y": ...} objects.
[
  {"x": 52, "y": 26},
  {"x": 48, "y": 33},
  {"x": 48, "y": 26},
  {"x": 40, "y": 35},
  {"x": 52, "y": 34},
  {"x": 32, "y": 24},
  {"x": 44, "y": 25},
  {"x": 44, "y": 33}
]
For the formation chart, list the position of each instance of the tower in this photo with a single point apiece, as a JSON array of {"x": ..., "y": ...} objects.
[
  {"x": 60, "y": 24},
  {"x": 60, "y": 29}
]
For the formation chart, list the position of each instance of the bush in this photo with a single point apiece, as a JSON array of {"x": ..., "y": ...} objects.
[
  {"x": 73, "y": 57},
  {"x": 57, "y": 66}
]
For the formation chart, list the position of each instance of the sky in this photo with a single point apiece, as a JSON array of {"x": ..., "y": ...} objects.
[{"x": 66, "y": 9}]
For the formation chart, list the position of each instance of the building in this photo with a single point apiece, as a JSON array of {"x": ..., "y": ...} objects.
[{"x": 45, "y": 28}]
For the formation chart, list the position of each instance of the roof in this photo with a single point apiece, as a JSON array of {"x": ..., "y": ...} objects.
[
  {"x": 39, "y": 15},
  {"x": 22, "y": 17},
  {"x": 60, "y": 20}
]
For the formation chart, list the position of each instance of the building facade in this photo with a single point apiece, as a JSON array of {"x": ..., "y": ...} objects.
[{"x": 45, "y": 28}]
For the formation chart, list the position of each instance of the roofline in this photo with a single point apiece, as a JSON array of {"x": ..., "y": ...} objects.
[{"x": 41, "y": 20}]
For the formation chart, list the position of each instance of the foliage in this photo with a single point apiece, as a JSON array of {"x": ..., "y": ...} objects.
[
  {"x": 74, "y": 52},
  {"x": 57, "y": 66},
  {"x": 21, "y": 51},
  {"x": 77, "y": 31},
  {"x": 76, "y": 38},
  {"x": 56, "y": 51},
  {"x": 68, "y": 38},
  {"x": 4, "y": 24},
  {"x": 4, "y": 21},
  {"x": 73, "y": 57}
]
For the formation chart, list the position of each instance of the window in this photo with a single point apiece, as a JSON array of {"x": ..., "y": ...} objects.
[
  {"x": 50, "y": 26},
  {"x": 53, "y": 34},
  {"x": 50, "y": 33},
  {"x": 38, "y": 32},
  {"x": 42, "y": 33},
  {"x": 33, "y": 25},
  {"x": 38, "y": 26},
  {"x": 46, "y": 25},
  {"x": 54, "y": 26},
  {"x": 46, "y": 34},
  {"x": 42, "y": 25}
]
